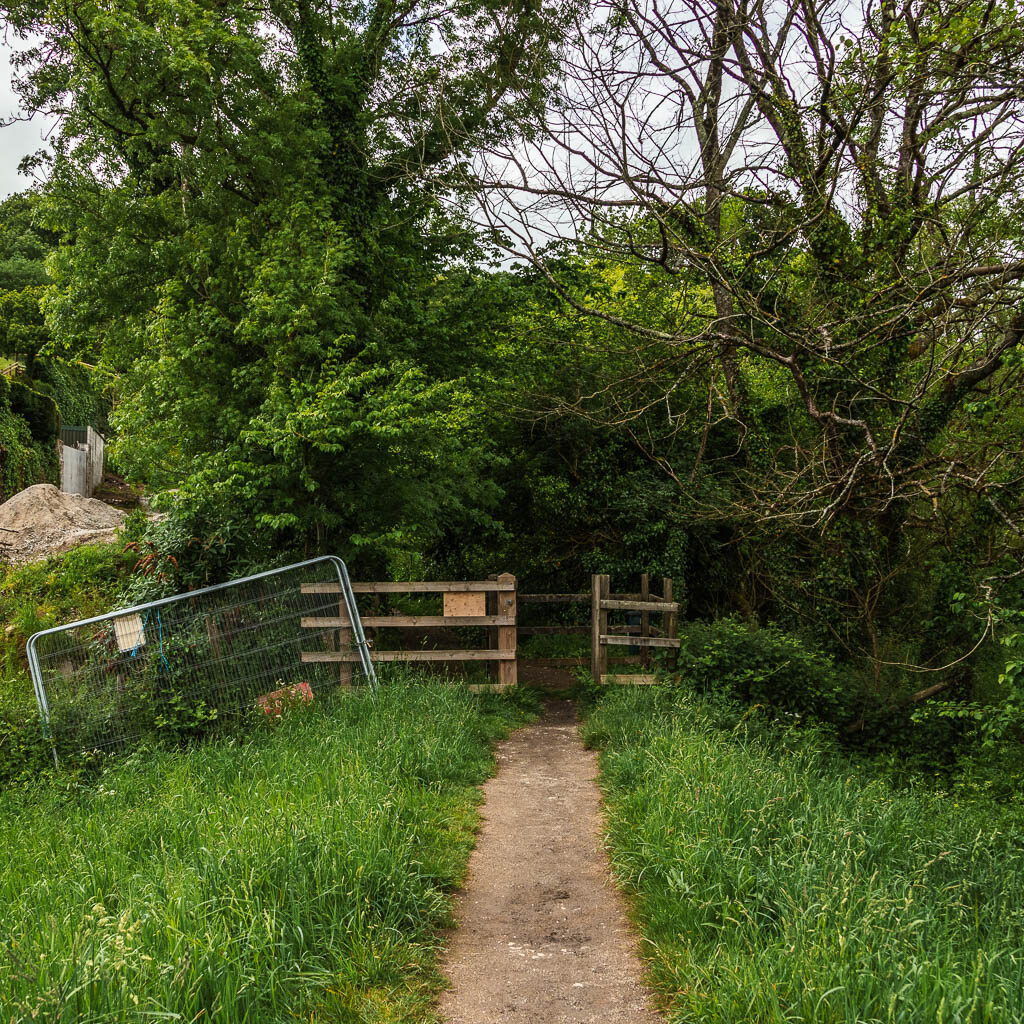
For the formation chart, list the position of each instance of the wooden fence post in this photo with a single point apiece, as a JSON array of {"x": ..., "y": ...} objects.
[
  {"x": 492, "y": 605},
  {"x": 600, "y": 588},
  {"x": 507, "y": 670},
  {"x": 671, "y": 618},
  {"x": 645, "y": 618},
  {"x": 345, "y": 637}
]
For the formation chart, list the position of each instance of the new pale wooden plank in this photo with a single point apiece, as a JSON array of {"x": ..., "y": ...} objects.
[{"x": 462, "y": 605}]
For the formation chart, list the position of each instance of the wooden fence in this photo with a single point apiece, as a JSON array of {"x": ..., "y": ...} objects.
[
  {"x": 81, "y": 464},
  {"x": 493, "y": 604},
  {"x": 487, "y": 603}
]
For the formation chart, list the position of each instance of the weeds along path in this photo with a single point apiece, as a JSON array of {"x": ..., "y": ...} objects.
[{"x": 542, "y": 936}]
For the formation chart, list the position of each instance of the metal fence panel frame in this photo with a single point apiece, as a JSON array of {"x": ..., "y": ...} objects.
[{"x": 39, "y": 681}]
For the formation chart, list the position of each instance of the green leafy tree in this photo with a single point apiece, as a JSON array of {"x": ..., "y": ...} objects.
[
  {"x": 23, "y": 279},
  {"x": 254, "y": 247},
  {"x": 854, "y": 231},
  {"x": 24, "y": 335}
]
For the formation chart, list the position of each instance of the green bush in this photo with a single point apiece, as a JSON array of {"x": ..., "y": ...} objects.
[
  {"x": 39, "y": 411},
  {"x": 83, "y": 582},
  {"x": 73, "y": 391},
  {"x": 25, "y": 459},
  {"x": 765, "y": 666}
]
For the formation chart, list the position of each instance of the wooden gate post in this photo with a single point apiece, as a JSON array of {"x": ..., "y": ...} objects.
[
  {"x": 671, "y": 618},
  {"x": 600, "y": 589},
  {"x": 507, "y": 670},
  {"x": 645, "y": 619}
]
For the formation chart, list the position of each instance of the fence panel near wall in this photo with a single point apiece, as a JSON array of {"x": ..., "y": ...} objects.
[
  {"x": 184, "y": 662},
  {"x": 94, "y": 458},
  {"x": 490, "y": 604},
  {"x": 74, "y": 471}
]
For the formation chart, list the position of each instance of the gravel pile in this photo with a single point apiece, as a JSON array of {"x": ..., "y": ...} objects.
[{"x": 42, "y": 520}]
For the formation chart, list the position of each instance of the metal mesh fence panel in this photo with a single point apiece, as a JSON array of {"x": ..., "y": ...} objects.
[{"x": 183, "y": 663}]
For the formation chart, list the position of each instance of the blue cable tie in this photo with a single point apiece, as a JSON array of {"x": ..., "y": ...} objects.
[
  {"x": 142, "y": 632},
  {"x": 160, "y": 627}
]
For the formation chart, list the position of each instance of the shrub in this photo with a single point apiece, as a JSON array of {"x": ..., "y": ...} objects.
[
  {"x": 765, "y": 666},
  {"x": 85, "y": 581},
  {"x": 24, "y": 459}
]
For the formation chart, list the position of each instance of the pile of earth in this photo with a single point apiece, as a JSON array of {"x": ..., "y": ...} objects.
[{"x": 42, "y": 520}]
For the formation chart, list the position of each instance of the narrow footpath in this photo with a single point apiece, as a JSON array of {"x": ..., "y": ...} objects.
[{"x": 542, "y": 936}]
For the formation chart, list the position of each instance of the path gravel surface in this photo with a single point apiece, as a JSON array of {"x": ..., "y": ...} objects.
[{"x": 543, "y": 937}]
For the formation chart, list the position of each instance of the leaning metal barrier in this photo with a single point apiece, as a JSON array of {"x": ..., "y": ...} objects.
[{"x": 182, "y": 662}]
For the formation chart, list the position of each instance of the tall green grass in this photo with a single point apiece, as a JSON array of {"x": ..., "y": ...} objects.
[
  {"x": 775, "y": 882},
  {"x": 300, "y": 874}
]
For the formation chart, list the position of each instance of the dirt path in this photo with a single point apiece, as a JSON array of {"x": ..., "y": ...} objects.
[{"x": 542, "y": 935}]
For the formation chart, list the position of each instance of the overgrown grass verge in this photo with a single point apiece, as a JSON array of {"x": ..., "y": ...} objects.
[
  {"x": 776, "y": 882},
  {"x": 300, "y": 874},
  {"x": 84, "y": 581}
]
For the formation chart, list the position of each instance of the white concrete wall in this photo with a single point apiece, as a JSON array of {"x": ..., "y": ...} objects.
[{"x": 74, "y": 471}]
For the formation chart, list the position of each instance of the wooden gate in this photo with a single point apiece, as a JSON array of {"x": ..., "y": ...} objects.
[
  {"x": 624, "y": 637},
  {"x": 602, "y": 635}
]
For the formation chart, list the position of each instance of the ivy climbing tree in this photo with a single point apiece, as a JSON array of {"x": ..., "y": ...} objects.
[{"x": 833, "y": 193}]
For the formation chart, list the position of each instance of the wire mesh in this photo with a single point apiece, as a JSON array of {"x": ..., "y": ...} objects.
[{"x": 182, "y": 663}]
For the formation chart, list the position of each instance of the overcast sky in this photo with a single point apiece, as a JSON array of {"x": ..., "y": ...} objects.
[{"x": 16, "y": 140}]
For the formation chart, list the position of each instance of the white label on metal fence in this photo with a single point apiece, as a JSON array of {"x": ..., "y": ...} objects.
[{"x": 130, "y": 633}]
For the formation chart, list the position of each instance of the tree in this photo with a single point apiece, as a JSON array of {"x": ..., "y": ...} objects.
[
  {"x": 254, "y": 249},
  {"x": 845, "y": 184},
  {"x": 23, "y": 245}
]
